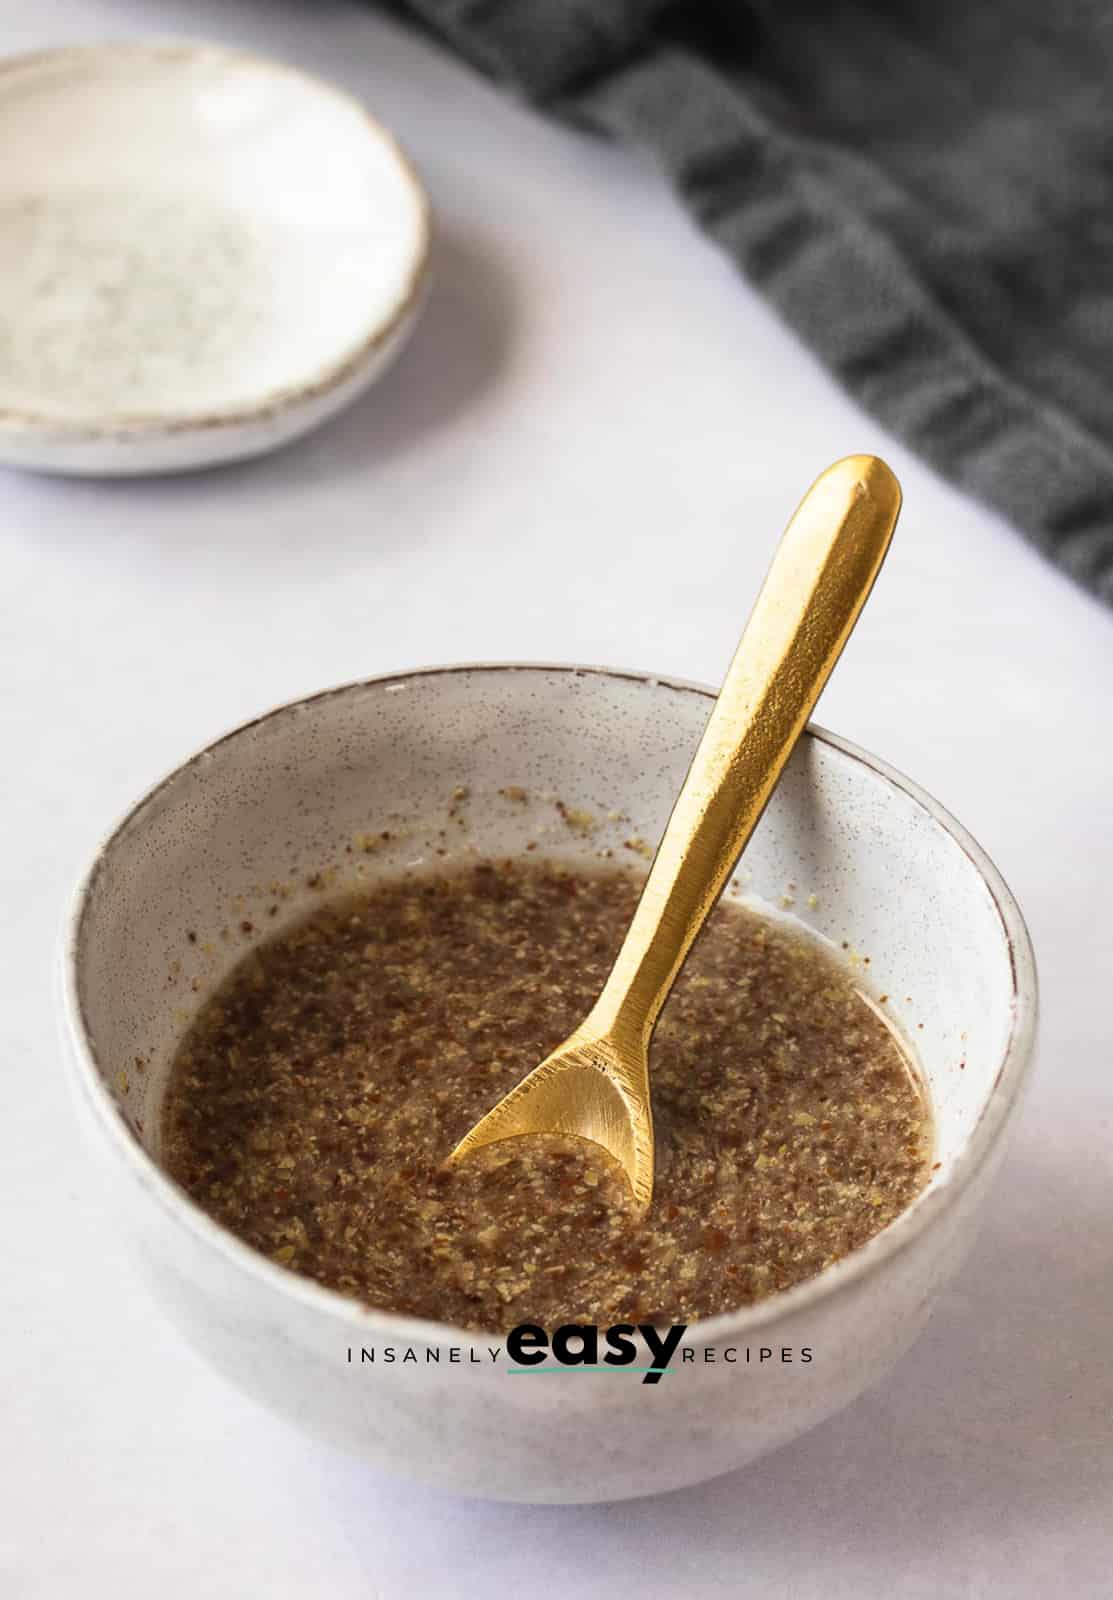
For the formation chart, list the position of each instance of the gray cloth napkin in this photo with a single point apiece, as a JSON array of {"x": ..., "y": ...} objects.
[{"x": 925, "y": 192}]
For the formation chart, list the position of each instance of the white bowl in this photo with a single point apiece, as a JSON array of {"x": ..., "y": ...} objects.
[
  {"x": 872, "y": 861},
  {"x": 203, "y": 255}
]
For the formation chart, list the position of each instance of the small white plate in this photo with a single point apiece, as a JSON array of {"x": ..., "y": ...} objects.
[{"x": 202, "y": 255}]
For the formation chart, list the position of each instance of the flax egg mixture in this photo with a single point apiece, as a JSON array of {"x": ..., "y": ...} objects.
[{"x": 314, "y": 1100}]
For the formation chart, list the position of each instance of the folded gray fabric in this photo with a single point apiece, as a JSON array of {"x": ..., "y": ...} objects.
[{"x": 924, "y": 191}]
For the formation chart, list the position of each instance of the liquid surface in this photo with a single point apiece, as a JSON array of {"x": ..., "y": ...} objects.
[{"x": 312, "y": 1105}]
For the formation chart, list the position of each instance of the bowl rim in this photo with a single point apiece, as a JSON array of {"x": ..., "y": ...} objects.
[
  {"x": 363, "y": 1320},
  {"x": 18, "y": 423}
]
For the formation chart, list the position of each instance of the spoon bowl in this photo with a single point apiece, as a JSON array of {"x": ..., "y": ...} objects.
[{"x": 589, "y": 1087}]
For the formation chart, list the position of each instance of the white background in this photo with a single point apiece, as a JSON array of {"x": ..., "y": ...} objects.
[{"x": 586, "y": 454}]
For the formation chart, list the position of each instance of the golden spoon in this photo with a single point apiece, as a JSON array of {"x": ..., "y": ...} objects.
[{"x": 596, "y": 1084}]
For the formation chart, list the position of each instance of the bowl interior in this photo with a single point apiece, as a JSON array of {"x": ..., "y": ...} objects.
[
  {"x": 257, "y": 235},
  {"x": 376, "y": 778}
]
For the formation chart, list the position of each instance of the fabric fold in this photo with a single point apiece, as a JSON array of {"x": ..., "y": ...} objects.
[{"x": 924, "y": 194}]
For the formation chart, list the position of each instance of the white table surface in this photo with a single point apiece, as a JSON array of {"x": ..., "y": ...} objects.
[{"x": 586, "y": 454}]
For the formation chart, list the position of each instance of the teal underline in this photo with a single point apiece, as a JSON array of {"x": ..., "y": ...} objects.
[{"x": 587, "y": 1367}]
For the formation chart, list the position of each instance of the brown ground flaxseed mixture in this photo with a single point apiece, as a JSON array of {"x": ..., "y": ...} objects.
[{"x": 313, "y": 1102}]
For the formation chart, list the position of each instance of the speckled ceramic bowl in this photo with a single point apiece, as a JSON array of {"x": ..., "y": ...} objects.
[
  {"x": 204, "y": 254},
  {"x": 866, "y": 857}
]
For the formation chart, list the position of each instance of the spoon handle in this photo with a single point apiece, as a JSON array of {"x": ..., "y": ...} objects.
[{"x": 819, "y": 580}]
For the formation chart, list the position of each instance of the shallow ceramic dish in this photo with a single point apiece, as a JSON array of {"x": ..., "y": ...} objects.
[
  {"x": 866, "y": 857},
  {"x": 203, "y": 255}
]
